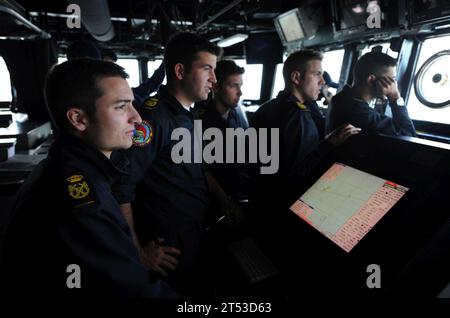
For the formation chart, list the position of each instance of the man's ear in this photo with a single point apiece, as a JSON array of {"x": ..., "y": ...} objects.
[
  {"x": 296, "y": 77},
  {"x": 179, "y": 71},
  {"x": 78, "y": 119},
  {"x": 371, "y": 80}
]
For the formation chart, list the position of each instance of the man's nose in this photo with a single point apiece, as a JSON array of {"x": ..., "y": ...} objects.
[
  {"x": 322, "y": 81},
  {"x": 212, "y": 77},
  {"x": 134, "y": 115}
]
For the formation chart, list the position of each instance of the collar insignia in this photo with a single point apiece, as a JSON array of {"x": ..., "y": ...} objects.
[{"x": 151, "y": 103}]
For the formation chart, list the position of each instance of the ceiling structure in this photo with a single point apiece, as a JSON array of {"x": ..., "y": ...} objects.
[{"x": 142, "y": 27}]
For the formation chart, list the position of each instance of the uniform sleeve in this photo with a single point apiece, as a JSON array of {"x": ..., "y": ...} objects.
[
  {"x": 373, "y": 122},
  {"x": 403, "y": 124},
  {"x": 97, "y": 237},
  {"x": 107, "y": 257},
  {"x": 318, "y": 118},
  {"x": 148, "y": 140},
  {"x": 303, "y": 150},
  {"x": 150, "y": 85}
]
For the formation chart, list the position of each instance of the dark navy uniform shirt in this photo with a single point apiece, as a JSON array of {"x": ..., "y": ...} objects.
[
  {"x": 346, "y": 109},
  {"x": 300, "y": 151},
  {"x": 230, "y": 176},
  {"x": 170, "y": 200},
  {"x": 66, "y": 214},
  {"x": 299, "y": 145}
]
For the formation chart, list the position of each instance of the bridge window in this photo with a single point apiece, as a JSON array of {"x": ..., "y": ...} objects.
[
  {"x": 131, "y": 66},
  {"x": 278, "y": 83},
  {"x": 385, "y": 48},
  {"x": 152, "y": 66},
  {"x": 416, "y": 109},
  {"x": 332, "y": 63},
  {"x": 5, "y": 82},
  {"x": 252, "y": 78}
]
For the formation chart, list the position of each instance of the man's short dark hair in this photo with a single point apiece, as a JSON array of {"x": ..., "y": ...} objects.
[
  {"x": 226, "y": 68},
  {"x": 184, "y": 48},
  {"x": 74, "y": 83},
  {"x": 298, "y": 61},
  {"x": 372, "y": 63}
]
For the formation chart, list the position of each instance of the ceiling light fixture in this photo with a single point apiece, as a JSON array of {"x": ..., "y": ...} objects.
[{"x": 236, "y": 38}]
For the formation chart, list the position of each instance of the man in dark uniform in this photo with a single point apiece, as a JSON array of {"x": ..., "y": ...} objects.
[
  {"x": 224, "y": 112},
  {"x": 300, "y": 148},
  {"x": 171, "y": 198},
  {"x": 373, "y": 77},
  {"x": 68, "y": 236}
]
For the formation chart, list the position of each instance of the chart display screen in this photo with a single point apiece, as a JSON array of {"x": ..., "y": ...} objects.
[{"x": 346, "y": 203}]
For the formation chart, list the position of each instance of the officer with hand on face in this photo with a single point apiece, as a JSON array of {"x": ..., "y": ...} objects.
[{"x": 373, "y": 77}]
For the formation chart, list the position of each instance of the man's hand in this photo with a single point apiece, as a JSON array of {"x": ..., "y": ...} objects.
[
  {"x": 388, "y": 86},
  {"x": 341, "y": 134},
  {"x": 157, "y": 258}
]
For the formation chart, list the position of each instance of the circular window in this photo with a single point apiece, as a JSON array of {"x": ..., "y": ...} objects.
[{"x": 432, "y": 83}]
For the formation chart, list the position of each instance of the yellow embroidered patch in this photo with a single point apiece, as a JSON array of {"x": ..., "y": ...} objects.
[
  {"x": 78, "y": 189},
  {"x": 151, "y": 103}
]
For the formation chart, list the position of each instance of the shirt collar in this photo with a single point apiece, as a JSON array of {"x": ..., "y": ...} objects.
[
  {"x": 75, "y": 147},
  {"x": 172, "y": 102}
]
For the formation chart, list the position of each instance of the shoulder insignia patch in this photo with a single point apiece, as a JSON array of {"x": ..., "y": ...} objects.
[
  {"x": 302, "y": 107},
  {"x": 151, "y": 103},
  {"x": 77, "y": 187},
  {"x": 143, "y": 134}
]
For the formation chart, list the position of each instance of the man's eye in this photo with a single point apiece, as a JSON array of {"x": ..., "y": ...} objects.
[{"x": 121, "y": 106}]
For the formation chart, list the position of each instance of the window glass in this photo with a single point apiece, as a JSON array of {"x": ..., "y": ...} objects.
[
  {"x": 332, "y": 63},
  {"x": 415, "y": 108},
  {"x": 278, "y": 84},
  {"x": 251, "y": 89},
  {"x": 385, "y": 49},
  {"x": 5, "y": 82},
  {"x": 131, "y": 66},
  {"x": 152, "y": 66}
]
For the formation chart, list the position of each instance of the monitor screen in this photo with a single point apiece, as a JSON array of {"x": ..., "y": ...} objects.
[
  {"x": 346, "y": 203},
  {"x": 354, "y": 13},
  {"x": 289, "y": 26},
  {"x": 429, "y": 10}
]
